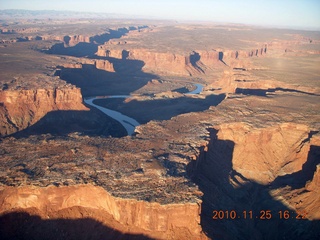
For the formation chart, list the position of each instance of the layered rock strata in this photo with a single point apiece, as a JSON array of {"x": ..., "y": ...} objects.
[
  {"x": 194, "y": 63},
  {"x": 20, "y": 109},
  {"x": 160, "y": 221},
  {"x": 104, "y": 65}
]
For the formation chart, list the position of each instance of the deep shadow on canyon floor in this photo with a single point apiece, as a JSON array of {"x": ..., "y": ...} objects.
[
  {"x": 95, "y": 82},
  {"x": 127, "y": 78},
  {"x": 264, "y": 93},
  {"x": 61, "y": 123},
  {"x": 161, "y": 109},
  {"x": 21, "y": 225},
  {"x": 214, "y": 174},
  {"x": 299, "y": 179}
]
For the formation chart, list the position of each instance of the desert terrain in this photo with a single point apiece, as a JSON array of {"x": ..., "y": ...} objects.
[{"x": 238, "y": 160}]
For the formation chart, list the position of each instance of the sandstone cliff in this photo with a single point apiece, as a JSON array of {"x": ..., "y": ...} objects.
[
  {"x": 262, "y": 155},
  {"x": 74, "y": 40},
  {"x": 209, "y": 58},
  {"x": 20, "y": 109},
  {"x": 305, "y": 197},
  {"x": 257, "y": 169},
  {"x": 194, "y": 63},
  {"x": 243, "y": 81},
  {"x": 315, "y": 183},
  {"x": 103, "y": 52},
  {"x": 104, "y": 65},
  {"x": 305, "y": 200},
  {"x": 161, "y": 62},
  {"x": 172, "y": 221},
  {"x": 98, "y": 63}
]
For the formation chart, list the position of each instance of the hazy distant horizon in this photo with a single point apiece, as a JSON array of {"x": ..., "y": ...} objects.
[{"x": 273, "y": 13}]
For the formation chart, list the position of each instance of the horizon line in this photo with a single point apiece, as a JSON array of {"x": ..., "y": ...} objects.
[{"x": 145, "y": 17}]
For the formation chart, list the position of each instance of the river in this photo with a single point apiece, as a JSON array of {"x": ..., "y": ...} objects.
[{"x": 127, "y": 122}]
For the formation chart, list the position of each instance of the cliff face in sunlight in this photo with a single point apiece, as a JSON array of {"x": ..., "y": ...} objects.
[
  {"x": 104, "y": 65},
  {"x": 152, "y": 219},
  {"x": 194, "y": 63},
  {"x": 154, "y": 61},
  {"x": 259, "y": 155},
  {"x": 262, "y": 155},
  {"x": 22, "y": 108}
]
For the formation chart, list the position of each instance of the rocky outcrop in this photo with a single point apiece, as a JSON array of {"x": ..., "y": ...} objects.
[
  {"x": 315, "y": 183},
  {"x": 262, "y": 155},
  {"x": 305, "y": 197},
  {"x": 72, "y": 65},
  {"x": 305, "y": 200},
  {"x": 74, "y": 40},
  {"x": 104, "y": 65},
  {"x": 103, "y": 52},
  {"x": 99, "y": 64},
  {"x": 245, "y": 169},
  {"x": 20, "y": 109},
  {"x": 171, "y": 221}
]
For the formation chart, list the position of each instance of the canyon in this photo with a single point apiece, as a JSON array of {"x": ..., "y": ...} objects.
[{"x": 248, "y": 143}]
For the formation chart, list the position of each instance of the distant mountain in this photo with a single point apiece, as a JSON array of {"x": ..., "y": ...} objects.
[{"x": 44, "y": 14}]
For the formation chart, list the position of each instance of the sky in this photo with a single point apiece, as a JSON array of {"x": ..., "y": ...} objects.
[{"x": 301, "y": 14}]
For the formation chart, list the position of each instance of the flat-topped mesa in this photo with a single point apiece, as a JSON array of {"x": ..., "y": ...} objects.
[
  {"x": 209, "y": 57},
  {"x": 21, "y": 108},
  {"x": 161, "y": 62},
  {"x": 195, "y": 63},
  {"x": 174, "y": 221}
]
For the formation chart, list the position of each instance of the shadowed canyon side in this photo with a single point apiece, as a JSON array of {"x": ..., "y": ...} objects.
[
  {"x": 232, "y": 179},
  {"x": 31, "y": 226}
]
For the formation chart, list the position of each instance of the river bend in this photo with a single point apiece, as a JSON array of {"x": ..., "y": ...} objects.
[{"x": 127, "y": 122}]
